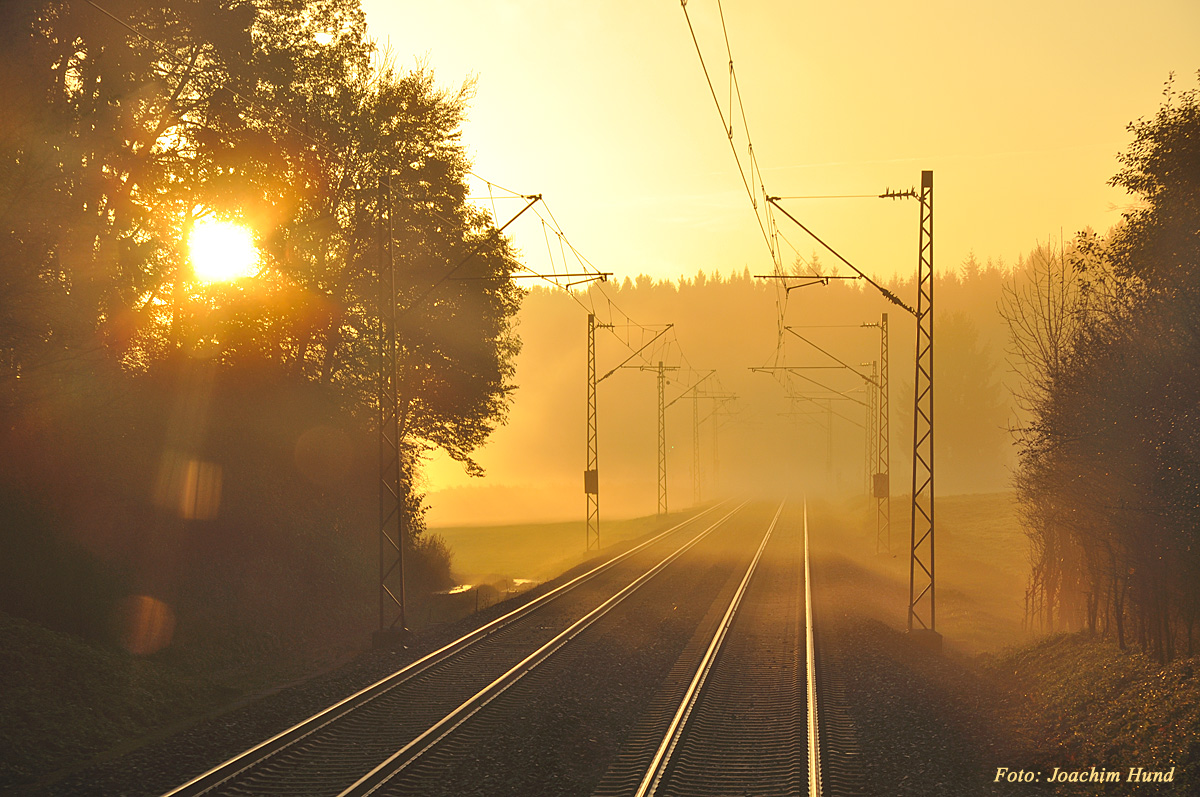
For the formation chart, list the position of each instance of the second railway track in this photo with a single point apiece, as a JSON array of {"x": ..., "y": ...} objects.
[{"x": 678, "y": 669}]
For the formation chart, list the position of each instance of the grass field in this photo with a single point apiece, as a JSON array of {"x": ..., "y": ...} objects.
[
  {"x": 535, "y": 551},
  {"x": 981, "y": 572},
  {"x": 982, "y": 564}
]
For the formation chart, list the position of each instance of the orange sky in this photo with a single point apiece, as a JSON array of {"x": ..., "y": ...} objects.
[{"x": 1019, "y": 108}]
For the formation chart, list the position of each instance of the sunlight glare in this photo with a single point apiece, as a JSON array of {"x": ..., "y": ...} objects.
[{"x": 222, "y": 251}]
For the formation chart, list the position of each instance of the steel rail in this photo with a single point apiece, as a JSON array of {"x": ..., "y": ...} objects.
[
  {"x": 264, "y": 750},
  {"x": 662, "y": 756},
  {"x": 411, "y": 752},
  {"x": 814, "y": 747}
]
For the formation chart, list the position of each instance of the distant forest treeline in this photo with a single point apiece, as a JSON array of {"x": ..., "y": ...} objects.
[{"x": 766, "y": 440}]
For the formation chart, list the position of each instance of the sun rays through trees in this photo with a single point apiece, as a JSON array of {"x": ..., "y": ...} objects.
[{"x": 1106, "y": 336}]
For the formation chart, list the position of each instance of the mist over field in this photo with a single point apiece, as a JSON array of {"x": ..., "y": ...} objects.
[{"x": 766, "y": 442}]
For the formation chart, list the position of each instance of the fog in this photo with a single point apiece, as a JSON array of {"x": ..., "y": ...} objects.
[{"x": 763, "y": 441}]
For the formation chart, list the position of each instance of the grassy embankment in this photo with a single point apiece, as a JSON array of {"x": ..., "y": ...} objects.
[
  {"x": 537, "y": 551},
  {"x": 982, "y": 565},
  {"x": 498, "y": 561},
  {"x": 1079, "y": 700},
  {"x": 65, "y": 700},
  {"x": 1091, "y": 704}
]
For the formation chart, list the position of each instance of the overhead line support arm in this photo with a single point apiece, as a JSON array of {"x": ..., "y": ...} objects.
[
  {"x": 695, "y": 385},
  {"x": 636, "y": 353},
  {"x": 891, "y": 297},
  {"x": 533, "y": 200},
  {"x": 835, "y": 359},
  {"x": 794, "y": 371}
]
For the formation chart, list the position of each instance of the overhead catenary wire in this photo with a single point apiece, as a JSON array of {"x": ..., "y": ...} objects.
[
  {"x": 832, "y": 326},
  {"x": 637, "y": 336},
  {"x": 727, "y": 126},
  {"x": 339, "y": 158},
  {"x": 788, "y": 373},
  {"x": 491, "y": 185},
  {"x": 773, "y": 201},
  {"x": 825, "y": 409},
  {"x": 464, "y": 260},
  {"x": 637, "y": 345},
  {"x": 763, "y": 209}
]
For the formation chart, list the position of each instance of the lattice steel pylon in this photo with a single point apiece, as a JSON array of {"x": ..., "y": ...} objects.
[
  {"x": 591, "y": 474},
  {"x": 391, "y": 498},
  {"x": 716, "y": 435},
  {"x": 870, "y": 434},
  {"x": 662, "y": 430},
  {"x": 922, "y": 605},
  {"x": 697, "y": 481},
  {"x": 883, "y": 467},
  {"x": 662, "y": 439}
]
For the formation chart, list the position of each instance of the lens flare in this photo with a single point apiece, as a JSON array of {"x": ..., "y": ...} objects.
[
  {"x": 222, "y": 251},
  {"x": 188, "y": 486},
  {"x": 146, "y": 624}
]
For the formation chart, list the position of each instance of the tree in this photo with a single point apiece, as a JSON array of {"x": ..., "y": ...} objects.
[
  {"x": 1108, "y": 351},
  {"x": 1159, "y": 242},
  {"x": 109, "y": 142},
  {"x": 281, "y": 115},
  {"x": 1042, "y": 308},
  {"x": 123, "y": 130}
]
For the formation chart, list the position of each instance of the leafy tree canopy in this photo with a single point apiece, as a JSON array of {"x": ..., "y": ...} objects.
[
  {"x": 1110, "y": 337},
  {"x": 123, "y": 129},
  {"x": 1160, "y": 241}
]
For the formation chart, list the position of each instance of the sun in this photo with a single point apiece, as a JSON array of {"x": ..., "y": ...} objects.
[{"x": 222, "y": 251}]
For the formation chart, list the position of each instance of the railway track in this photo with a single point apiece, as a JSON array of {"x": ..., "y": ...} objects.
[
  {"x": 678, "y": 668},
  {"x": 330, "y": 751},
  {"x": 737, "y": 718}
]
